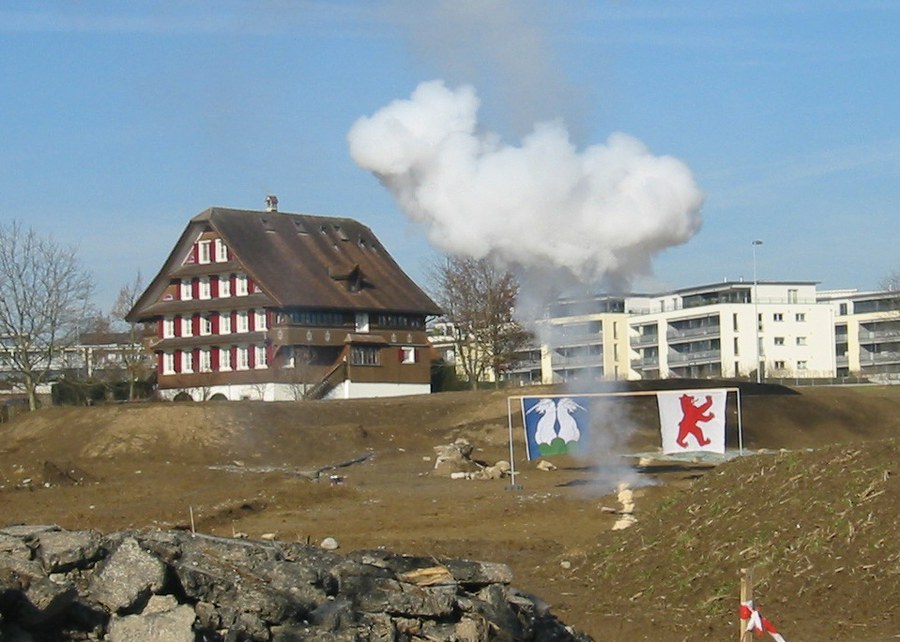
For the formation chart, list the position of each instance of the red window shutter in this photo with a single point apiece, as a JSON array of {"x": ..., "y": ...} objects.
[
  {"x": 251, "y": 321},
  {"x": 159, "y": 362},
  {"x": 215, "y": 323},
  {"x": 177, "y": 325},
  {"x": 195, "y": 325},
  {"x": 251, "y": 286},
  {"x": 196, "y": 359},
  {"x": 251, "y": 357},
  {"x": 159, "y": 328},
  {"x": 214, "y": 359},
  {"x": 233, "y": 357},
  {"x": 214, "y": 287},
  {"x": 400, "y": 355},
  {"x": 232, "y": 280},
  {"x": 177, "y": 361},
  {"x": 195, "y": 288}
]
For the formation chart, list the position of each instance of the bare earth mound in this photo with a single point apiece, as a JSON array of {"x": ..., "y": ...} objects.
[{"x": 818, "y": 521}]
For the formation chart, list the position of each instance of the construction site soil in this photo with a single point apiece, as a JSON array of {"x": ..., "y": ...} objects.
[{"x": 813, "y": 506}]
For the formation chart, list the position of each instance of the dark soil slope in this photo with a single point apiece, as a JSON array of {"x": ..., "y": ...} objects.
[{"x": 816, "y": 515}]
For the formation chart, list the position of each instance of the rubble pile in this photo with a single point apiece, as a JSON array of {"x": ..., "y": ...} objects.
[
  {"x": 176, "y": 585},
  {"x": 455, "y": 461}
]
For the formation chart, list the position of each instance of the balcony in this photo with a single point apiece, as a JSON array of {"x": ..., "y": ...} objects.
[
  {"x": 577, "y": 360},
  {"x": 700, "y": 356},
  {"x": 645, "y": 363},
  {"x": 576, "y": 339},
  {"x": 885, "y": 334},
  {"x": 878, "y": 358},
  {"x": 689, "y": 334},
  {"x": 644, "y": 340}
]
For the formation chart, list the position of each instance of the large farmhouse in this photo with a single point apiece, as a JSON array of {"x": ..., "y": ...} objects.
[{"x": 272, "y": 306}]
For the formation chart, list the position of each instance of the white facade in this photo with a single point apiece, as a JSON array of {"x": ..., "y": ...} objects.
[
  {"x": 867, "y": 332},
  {"x": 722, "y": 330}
]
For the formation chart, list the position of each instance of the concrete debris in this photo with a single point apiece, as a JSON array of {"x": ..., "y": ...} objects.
[
  {"x": 455, "y": 461},
  {"x": 179, "y": 586}
]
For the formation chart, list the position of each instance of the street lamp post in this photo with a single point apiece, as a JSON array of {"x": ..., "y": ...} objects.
[{"x": 756, "y": 309}]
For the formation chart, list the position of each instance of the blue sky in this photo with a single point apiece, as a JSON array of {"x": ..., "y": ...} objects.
[{"x": 120, "y": 121}]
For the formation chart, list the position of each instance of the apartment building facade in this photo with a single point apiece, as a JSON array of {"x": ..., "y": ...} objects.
[
  {"x": 727, "y": 329},
  {"x": 730, "y": 330},
  {"x": 867, "y": 333}
]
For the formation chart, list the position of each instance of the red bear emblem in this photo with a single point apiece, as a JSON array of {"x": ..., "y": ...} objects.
[{"x": 691, "y": 417}]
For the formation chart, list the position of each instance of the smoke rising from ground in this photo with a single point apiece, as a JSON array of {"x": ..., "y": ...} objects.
[{"x": 543, "y": 207}]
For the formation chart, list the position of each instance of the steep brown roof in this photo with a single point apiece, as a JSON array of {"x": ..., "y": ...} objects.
[{"x": 300, "y": 260}]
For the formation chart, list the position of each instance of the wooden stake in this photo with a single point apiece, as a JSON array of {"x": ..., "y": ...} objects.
[
  {"x": 191, "y": 509},
  {"x": 746, "y": 596}
]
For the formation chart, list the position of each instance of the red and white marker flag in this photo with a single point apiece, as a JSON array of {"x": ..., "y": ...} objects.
[
  {"x": 756, "y": 623},
  {"x": 692, "y": 420}
]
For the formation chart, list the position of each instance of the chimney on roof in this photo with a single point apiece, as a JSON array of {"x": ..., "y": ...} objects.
[{"x": 271, "y": 203}]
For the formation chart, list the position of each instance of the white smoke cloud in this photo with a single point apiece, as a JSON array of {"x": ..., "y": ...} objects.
[{"x": 543, "y": 207}]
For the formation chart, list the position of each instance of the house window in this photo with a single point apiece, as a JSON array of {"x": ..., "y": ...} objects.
[
  {"x": 800, "y": 317},
  {"x": 801, "y": 365},
  {"x": 240, "y": 285},
  {"x": 407, "y": 354},
  {"x": 779, "y": 365},
  {"x": 224, "y": 286},
  {"x": 801, "y": 341},
  {"x": 221, "y": 251},
  {"x": 203, "y": 252},
  {"x": 287, "y": 359},
  {"x": 186, "y": 329},
  {"x": 362, "y": 321},
  {"x": 168, "y": 328},
  {"x": 842, "y": 309},
  {"x": 225, "y": 323},
  {"x": 242, "y": 321},
  {"x": 260, "y": 358},
  {"x": 205, "y": 290},
  {"x": 364, "y": 355},
  {"x": 259, "y": 320},
  {"x": 205, "y": 326},
  {"x": 778, "y": 316},
  {"x": 779, "y": 341},
  {"x": 168, "y": 363},
  {"x": 793, "y": 295},
  {"x": 243, "y": 358},
  {"x": 187, "y": 361},
  {"x": 225, "y": 359},
  {"x": 205, "y": 364},
  {"x": 185, "y": 290}
]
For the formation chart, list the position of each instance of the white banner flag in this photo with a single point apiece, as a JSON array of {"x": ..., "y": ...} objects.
[{"x": 692, "y": 420}]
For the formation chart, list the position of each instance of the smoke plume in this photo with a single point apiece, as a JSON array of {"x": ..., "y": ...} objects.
[{"x": 544, "y": 208}]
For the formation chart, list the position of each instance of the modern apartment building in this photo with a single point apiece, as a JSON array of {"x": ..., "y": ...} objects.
[
  {"x": 730, "y": 329},
  {"x": 867, "y": 332},
  {"x": 726, "y": 329}
]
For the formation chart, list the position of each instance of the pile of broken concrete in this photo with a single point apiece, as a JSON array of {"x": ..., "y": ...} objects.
[
  {"x": 177, "y": 585},
  {"x": 455, "y": 461}
]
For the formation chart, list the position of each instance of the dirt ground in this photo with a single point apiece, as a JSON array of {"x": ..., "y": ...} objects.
[{"x": 816, "y": 514}]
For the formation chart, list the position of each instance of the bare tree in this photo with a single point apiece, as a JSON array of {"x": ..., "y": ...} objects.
[
  {"x": 891, "y": 281},
  {"x": 134, "y": 356},
  {"x": 478, "y": 300},
  {"x": 44, "y": 299}
]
